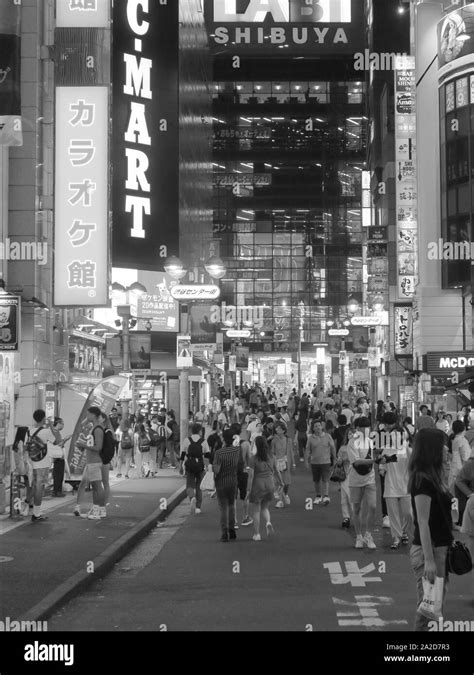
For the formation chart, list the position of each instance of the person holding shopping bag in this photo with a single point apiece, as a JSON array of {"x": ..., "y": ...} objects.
[
  {"x": 282, "y": 451},
  {"x": 431, "y": 504}
]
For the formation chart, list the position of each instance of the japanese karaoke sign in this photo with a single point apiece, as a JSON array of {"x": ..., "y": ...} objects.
[
  {"x": 405, "y": 177},
  {"x": 81, "y": 197},
  {"x": 403, "y": 326}
]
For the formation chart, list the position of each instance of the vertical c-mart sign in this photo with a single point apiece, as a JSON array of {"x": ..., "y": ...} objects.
[
  {"x": 145, "y": 132},
  {"x": 327, "y": 26}
]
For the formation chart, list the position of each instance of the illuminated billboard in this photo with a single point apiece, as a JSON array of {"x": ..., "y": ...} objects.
[{"x": 322, "y": 26}]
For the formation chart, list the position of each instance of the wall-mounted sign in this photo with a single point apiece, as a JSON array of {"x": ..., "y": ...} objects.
[
  {"x": 145, "y": 133},
  {"x": 10, "y": 56},
  {"x": 257, "y": 26},
  {"x": 373, "y": 357},
  {"x": 9, "y": 322},
  {"x": 81, "y": 202},
  {"x": 406, "y": 198},
  {"x": 238, "y": 333},
  {"x": 444, "y": 363},
  {"x": 184, "y": 357},
  {"x": 242, "y": 357},
  {"x": 403, "y": 337},
  {"x": 196, "y": 292},
  {"x": 202, "y": 328},
  {"x": 82, "y": 13},
  {"x": 256, "y": 179},
  {"x": 366, "y": 320},
  {"x": 343, "y": 359},
  {"x": 232, "y": 363},
  {"x": 338, "y": 332}
]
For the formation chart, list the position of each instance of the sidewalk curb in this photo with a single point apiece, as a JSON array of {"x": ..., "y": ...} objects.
[{"x": 103, "y": 563}]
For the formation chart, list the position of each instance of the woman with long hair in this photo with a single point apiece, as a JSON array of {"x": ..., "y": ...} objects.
[
  {"x": 283, "y": 454},
  {"x": 261, "y": 486},
  {"x": 431, "y": 504}
]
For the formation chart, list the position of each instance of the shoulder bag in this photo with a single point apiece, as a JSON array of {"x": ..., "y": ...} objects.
[{"x": 458, "y": 559}]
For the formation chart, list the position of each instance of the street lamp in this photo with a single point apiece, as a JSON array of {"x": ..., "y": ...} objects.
[
  {"x": 352, "y": 305},
  {"x": 215, "y": 268},
  {"x": 175, "y": 268}
]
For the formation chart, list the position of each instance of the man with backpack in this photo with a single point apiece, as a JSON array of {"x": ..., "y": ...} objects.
[
  {"x": 39, "y": 444},
  {"x": 193, "y": 462},
  {"x": 160, "y": 434},
  {"x": 107, "y": 453},
  {"x": 93, "y": 470},
  {"x": 173, "y": 441}
]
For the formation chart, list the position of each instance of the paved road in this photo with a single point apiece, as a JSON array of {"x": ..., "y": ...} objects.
[{"x": 183, "y": 578}]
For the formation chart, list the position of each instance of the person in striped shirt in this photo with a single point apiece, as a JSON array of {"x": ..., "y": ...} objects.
[{"x": 226, "y": 465}]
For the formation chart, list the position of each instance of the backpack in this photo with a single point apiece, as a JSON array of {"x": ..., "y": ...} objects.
[
  {"x": 195, "y": 457},
  {"x": 144, "y": 442},
  {"x": 126, "y": 441},
  {"x": 108, "y": 446},
  {"x": 35, "y": 447},
  {"x": 161, "y": 433}
]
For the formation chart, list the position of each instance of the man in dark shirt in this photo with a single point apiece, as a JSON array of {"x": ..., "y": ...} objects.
[
  {"x": 340, "y": 432},
  {"x": 226, "y": 465}
]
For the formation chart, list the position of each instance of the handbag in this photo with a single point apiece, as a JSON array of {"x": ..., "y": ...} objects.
[
  {"x": 208, "y": 482},
  {"x": 458, "y": 558},
  {"x": 364, "y": 469},
  {"x": 430, "y": 606},
  {"x": 338, "y": 474}
]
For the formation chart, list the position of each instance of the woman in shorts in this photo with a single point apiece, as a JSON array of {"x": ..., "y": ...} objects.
[{"x": 261, "y": 486}]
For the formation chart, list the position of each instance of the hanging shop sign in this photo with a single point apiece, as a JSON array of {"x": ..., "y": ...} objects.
[
  {"x": 145, "y": 199},
  {"x": 256, "y": 179},
  {"x": 9, "y": 323},
  {"x": 403, "y": 327},
  {"x": 81, "y": 203},
  {"x": 10, "y": 90},
  {"x": 82, "y": 13},
  {"x": 184, "y": 356},
  {"x": 373, "y": 357},
  {"x": 256, "y": 26},
  {"x": 195, "y": 292},
  {"x": 238, "y": 334},
  {"x": 406, "y": 198},
  {"x": 366, "y": 320},
  {"x": 338, "y": 332},
  {"x": 85, "y": 355}
]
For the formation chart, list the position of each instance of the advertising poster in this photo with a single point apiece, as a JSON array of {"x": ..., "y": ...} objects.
[
  {"x": 140, "y": 351},
  {"x": 104, "y": 396},
  {"x": 203, "y": 329},
  {"x": 10, "y": 56},
  {"x": 9, "y": 323},
  {"x": 184, "y": 356},
  {"x": 242, "y": 357}
]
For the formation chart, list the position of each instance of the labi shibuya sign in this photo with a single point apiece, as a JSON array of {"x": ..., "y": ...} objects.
[
  {"x": 145, "y": 132},
  {"x": 319, "y": 26}
]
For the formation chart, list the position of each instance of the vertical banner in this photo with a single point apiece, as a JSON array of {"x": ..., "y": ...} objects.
[
  {"x": 81, "y": 197},
  {"x": 140, "y": 351},
  {"x": 10, "y": 53},
  {"x": 403, "y": 326},
  {"x": 9, "y": 323},
  {"x": 184, "y": 357},
  {"x": 145, "y": 133},
  {"x": 405, "y": 176},
  {"x": 103, "y": 396}
]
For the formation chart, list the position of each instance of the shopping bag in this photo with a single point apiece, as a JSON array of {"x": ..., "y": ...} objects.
[
  {"x": 432, "y": 602},
  {"x": 338, "y": 474},
  {"x": 207, "y": 482}
]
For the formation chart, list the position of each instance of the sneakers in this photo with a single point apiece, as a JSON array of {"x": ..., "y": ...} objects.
[
  {"x": 359, "y": 543},
  {"x": 246, "y": 521},
  {"x": 257, "y": 537},
  {"x": 232, "y": 534},
  {"x": 94, "y": 513},
  {"x": 369, "y": 541},
  {"x": 346, "y": 523},
  {"x": 77, "y": 511},
  {"x": 326, "y": 500},
  {"x": 301, "y": 459},
  {"x": 287, "y": 500},
  {"x": 236, "y": 527},
  {"x": 279, "y": 504},
  {"x": 198, "y": 510},
  {"x": 395, "y": 543},
  {"x": 318, "y": 501},
  {"x": 270, "y": 530},
  {"x": 405, "y": 538},
  {"x": 193, "y": 505},
  {"x": 102, "y": 512},
  {"x": 386, "y": 522},
  {"x": 36, "y": 519}
]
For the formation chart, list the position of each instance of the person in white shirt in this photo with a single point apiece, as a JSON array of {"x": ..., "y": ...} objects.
[
  {"x": 461, "y": 452},
  {"x": 394, "y": 465},
  {"x": 362, "y": 488},
  {"x": 40, "y": 441},
  {"x": 347, "y": 412}
]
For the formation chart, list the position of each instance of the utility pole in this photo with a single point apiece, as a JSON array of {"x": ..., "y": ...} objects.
[{"x": 124, "y": 313}]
